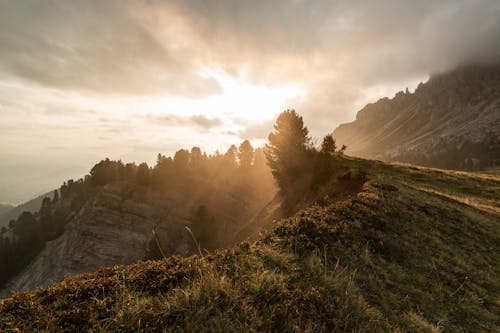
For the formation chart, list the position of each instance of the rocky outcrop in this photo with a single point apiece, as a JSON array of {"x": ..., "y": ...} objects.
[
  {"x": 116, "y": 224},
  {"x": 110, "y": 229},
  {"x": 451, "y": 121}
]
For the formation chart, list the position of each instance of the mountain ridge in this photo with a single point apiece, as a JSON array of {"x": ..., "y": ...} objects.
[
  {"x": 415, "y": 250},
  {"x": 451, "y": 121}
]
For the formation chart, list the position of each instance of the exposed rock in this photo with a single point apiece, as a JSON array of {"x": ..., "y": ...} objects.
[
  {"x": 115, "y": 227},
  {"x": 451, "y": 121}
]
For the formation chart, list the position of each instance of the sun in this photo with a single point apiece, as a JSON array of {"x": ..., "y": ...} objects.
[{"x": 247, "y": 101}]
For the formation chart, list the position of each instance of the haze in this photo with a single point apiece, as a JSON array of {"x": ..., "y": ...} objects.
[{"x": 84, "y": 80}]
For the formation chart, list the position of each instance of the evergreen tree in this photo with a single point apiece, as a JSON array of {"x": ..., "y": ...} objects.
[
  {"x": 181, "y": 160},
  {"x": 143, "y": 174},
  {"x": 56, "y": 196},
  {"x": 328, "y": 145},
  {"x": 205, "y": 228},
  {"x": 231, "y": 155},
  {"x": 196, "y": 157},
  {"x": 246, "y": 154},
  {"x": 130, "y": 171},
  {"x": 288, "y": 148}
]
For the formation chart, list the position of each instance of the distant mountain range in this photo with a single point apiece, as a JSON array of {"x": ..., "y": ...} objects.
[
  {"x": 9, "y": 212},
  {"x": 451, "y": 121},
  {"x": 5, "y": 208}
]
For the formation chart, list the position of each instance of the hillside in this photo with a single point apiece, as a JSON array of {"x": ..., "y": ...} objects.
[
  {"x": 5, "y": 208},
  {"x": 414, "y": 250},
  {"x": 32, "y": 205},
  {"x": 452, "y": 121}
]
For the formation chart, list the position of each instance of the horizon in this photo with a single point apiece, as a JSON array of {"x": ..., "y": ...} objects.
[{"x": 86, "y": 80}]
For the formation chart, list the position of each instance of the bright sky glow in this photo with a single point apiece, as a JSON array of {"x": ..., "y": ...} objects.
[{"x": 85, "y": 80}]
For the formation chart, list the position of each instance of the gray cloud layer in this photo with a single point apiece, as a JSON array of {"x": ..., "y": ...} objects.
[
  {"x": 336, "y": 49},
  {"x": 342, "y": 53}
]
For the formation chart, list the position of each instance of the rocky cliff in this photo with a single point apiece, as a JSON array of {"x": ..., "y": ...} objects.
[
  {"x": 451, "y": 121},
  {"x": 116, "y": 225}
]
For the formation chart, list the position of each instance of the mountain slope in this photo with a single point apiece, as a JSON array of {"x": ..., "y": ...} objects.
[
  {"x": 451, "y": 121},
  {"x": 30, "y": 206},
  {"x": 116, "y": 225},
  {"x": 5, "y": 207},
  {"x": 416, "y": 250}
]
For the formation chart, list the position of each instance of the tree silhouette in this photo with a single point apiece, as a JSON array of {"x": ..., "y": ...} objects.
[
  {"x": 56, "y": 196},
  {"x": 181, "y": 159},
  {"x": 288, "y": 148},
  {"x": 143, "y": 174},
  {"x": 328, "y": 146},
  {"x": 230, "y": 157},
  {"x": 204, "y": 228},
  {"x": 246, "y": 154}
]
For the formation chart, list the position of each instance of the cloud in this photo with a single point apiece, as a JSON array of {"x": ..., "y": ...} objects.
[
  {"x": 197, "y": 120},
  {"x": 339, "y": 50},
  {"x": 255, "y": 130},
  {"x": 206, "y": 122},
  {"x": 96, "y": 46},
  {"x": 157, "y": 47},
  {"x": 59, "y": 59}
]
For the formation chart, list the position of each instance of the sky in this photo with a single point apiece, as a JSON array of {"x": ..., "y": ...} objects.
[{"x": 85, "y": 80}]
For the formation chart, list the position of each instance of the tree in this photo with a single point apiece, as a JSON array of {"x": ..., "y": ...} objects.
[
  {"x": 130, "y": 171},
  {"x": 106, "y": 171},
  {"x": 288, "y": 148},
  {"x": 181, "y": 160},
  {"x": 205, "y": 228},
  {"x": 323, "y": 164},
  {"x": 196, "y": 158},
  {"x": 56, "y": 196},
  {"x": 231, "y": 155},
  {"x": 143, "y": 174},
  {"x": 246, "y": 154},
  {"x": 328, "y": 145}
]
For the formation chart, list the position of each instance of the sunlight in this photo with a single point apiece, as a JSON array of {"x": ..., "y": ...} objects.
[
  {"x": 238, "y": 104},
  {"x": 246, "y": 101}
]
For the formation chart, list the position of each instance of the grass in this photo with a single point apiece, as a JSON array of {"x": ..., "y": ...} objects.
[{"x": 416, "y": 250}]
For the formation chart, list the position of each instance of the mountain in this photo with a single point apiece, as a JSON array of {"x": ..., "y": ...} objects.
[
  {"x": 5, "y": 208},
  {"x": 105, "y": 219},
  {"x": 411, "y": 250},
  {"x": 451, "y": 121},
  {"x": 32, "y": 205}
]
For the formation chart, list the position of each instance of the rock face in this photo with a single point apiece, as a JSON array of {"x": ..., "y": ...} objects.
[
  {"x": 451, "y": 121},
  {"x": 115, "y": 226}
]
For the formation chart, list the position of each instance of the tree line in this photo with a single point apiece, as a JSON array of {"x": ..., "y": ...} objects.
[{"x": 289, "y": 153}]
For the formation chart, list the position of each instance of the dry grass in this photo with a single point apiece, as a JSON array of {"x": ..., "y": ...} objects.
[{"x": 415, "y": 251}]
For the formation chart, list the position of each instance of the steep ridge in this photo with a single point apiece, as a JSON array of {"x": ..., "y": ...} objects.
[
  {"x": 451, "y": 121},
  {"x": 415, "y": 250},
  {"x": 116, "y": 224}
]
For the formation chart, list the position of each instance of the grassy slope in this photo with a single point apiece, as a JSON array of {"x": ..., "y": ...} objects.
[{"x": 416, "y": 250}]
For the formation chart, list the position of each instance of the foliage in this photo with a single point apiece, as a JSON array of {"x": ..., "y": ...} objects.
[
  {"x": 246, "y": 154},
  {"x": 288, "y": 149},
  {"x": 204, "y": 228},
  {"x": 405, "y": 254},
  {"x": 28, "y": 234},
  {"x": 328, "y": 145},
  {"x": 143, "y": 174}
]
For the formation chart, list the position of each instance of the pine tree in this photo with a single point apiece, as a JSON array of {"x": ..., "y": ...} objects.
[
  {"x": 246, "y": 154},
  {"x": 288, "y": 148}
]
